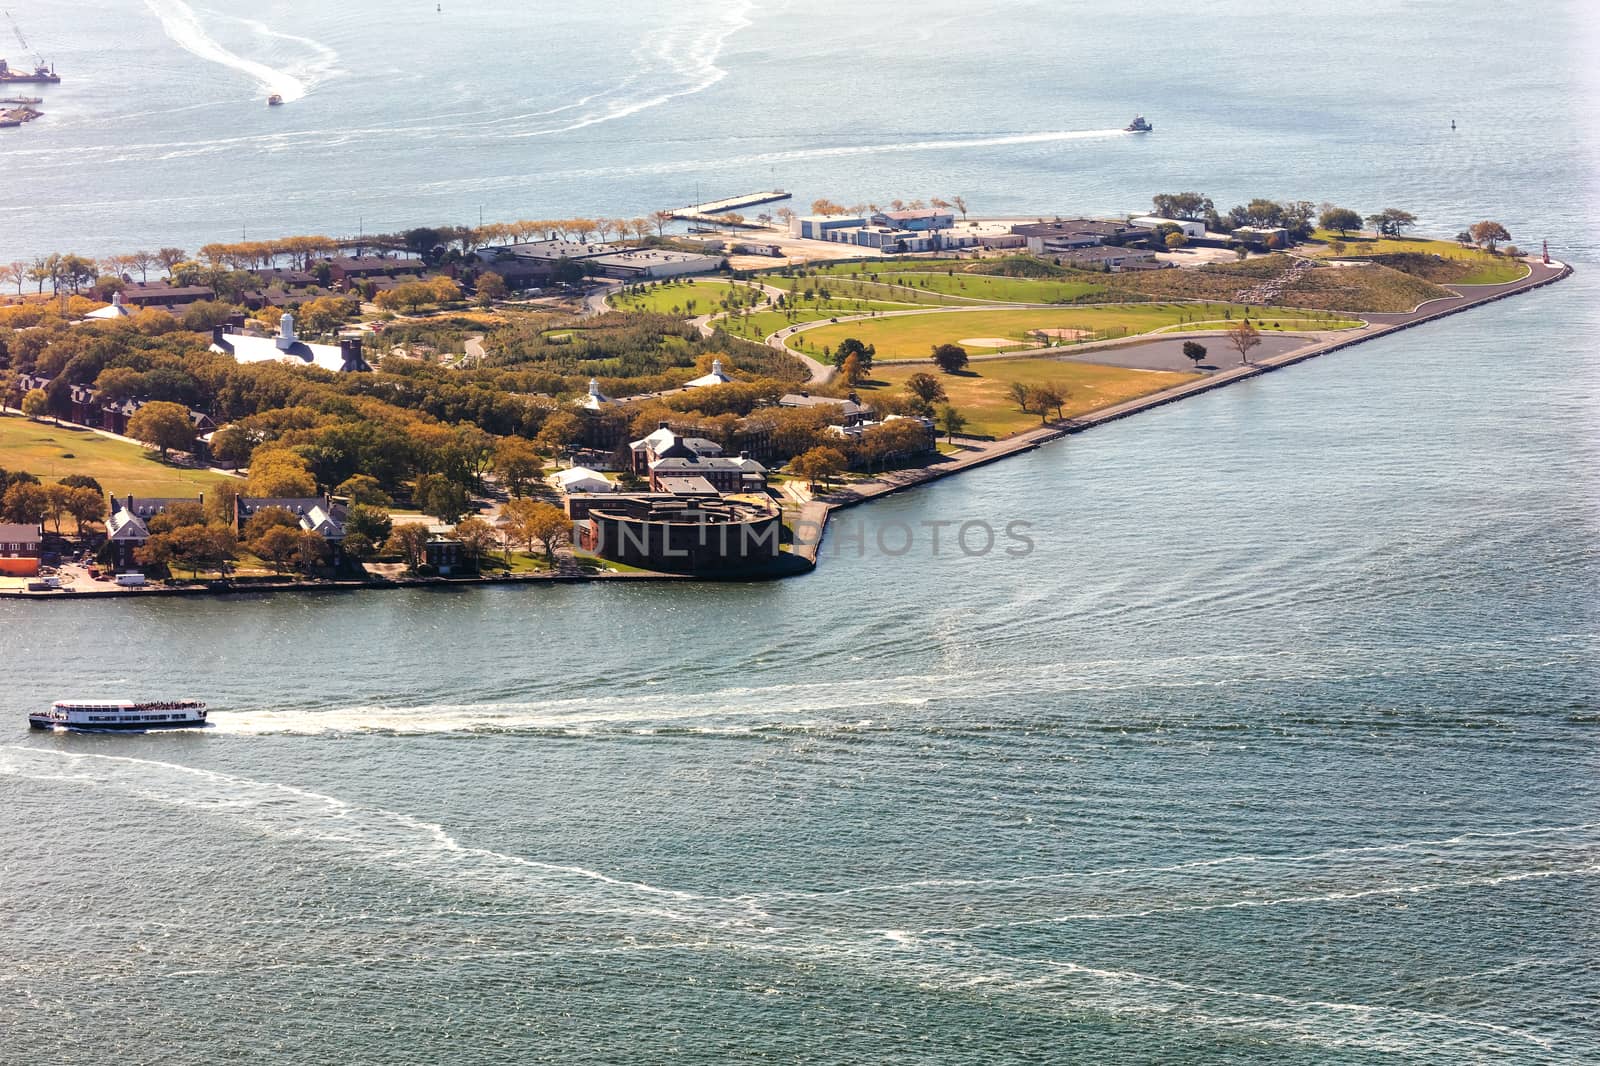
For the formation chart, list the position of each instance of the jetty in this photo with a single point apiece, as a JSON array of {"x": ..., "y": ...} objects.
[{"x": 710, "y": 212}]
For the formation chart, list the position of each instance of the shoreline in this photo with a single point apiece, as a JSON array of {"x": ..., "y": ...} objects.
[{"x": 815, "y": 511}]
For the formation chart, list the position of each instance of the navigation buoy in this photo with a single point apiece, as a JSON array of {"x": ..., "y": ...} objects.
[{"x": 1452, "y": 123}]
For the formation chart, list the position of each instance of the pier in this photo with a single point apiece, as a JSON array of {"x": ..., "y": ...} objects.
[{"x": 709, "y": 212}]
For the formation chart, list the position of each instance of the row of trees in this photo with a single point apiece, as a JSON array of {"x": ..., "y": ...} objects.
[
  {"x": 1299, "y": 217},
  {"x": 25, "y": 499},
  {"x": 830, "y": 208}
]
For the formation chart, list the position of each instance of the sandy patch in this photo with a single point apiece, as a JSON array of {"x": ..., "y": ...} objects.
[
  {"x": 1061, "y": 334},
  {"x": 987, "y": 342}
]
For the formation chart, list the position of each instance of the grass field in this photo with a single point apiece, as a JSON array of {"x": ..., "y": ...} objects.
[
  {"x": 995, "y": 289},
  {"x": 673, "y": 298},
  {"x": 53, "y": 452},
  {"x": 855, "y": 288},
  {"x": 914, "y": 336},
  {"x": 981, "y": 393},
  {"x": 1483, "y": 268},
  {"x": 1270, "y": 325}
]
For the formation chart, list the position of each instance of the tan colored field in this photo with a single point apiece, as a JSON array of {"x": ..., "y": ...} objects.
[{"x": 981, "y": 393}]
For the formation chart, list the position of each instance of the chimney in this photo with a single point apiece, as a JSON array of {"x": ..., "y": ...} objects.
[
  {"x": 744, "y": 455},
  {"x": 116, "y": 300},
  {"x": 285, "y": 339},
  {"x": 662, "y": 424}
]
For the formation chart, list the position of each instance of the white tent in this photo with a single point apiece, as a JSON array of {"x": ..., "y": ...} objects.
[{"x": 582, "y": 479}]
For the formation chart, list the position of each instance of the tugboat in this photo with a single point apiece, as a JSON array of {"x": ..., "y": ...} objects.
[
  {"x": 1138, "y": 125},
  {"x": 274, "y": 100},
  {"x": 96, "y": 716}
]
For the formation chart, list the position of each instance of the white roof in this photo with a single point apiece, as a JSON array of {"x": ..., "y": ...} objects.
[
  {"x": 716, "y": 377},
  {"x": 583, "y": 479},
  {"x": 115, "y": 309}
]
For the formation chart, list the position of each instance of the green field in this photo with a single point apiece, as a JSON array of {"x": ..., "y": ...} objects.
[
  {"x": 914, "y": 336},
  {"x": 992, "y": 288},
  {"x": 980, "y": 393},
  {"x": 673, "y": 298},
  {"x": 53, "y": 452},
  {"x": 1485, "y": 269},
  {"x": 1274, "y": 325}
]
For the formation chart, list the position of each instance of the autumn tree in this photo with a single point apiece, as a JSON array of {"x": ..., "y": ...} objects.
[
  {"x": 164, "y": 425},
  {"x": 851, "y": 371},
  {"x": 1020, "y": 395},
  {"x": 410, "y": 542},
  {"x": 1340, "y": 220},
  {"x": 1488, "y": 234},
  {"x": 364, "y": 489},
  {"x": 821, "y": 463},
  {"x": 1045, "y": 397},
  {"x": 491, "y": 287},
  {"x": 35, "y": 404},
  {"x": 1174, "y": 241},
  {"x": 1392, "y": 222},
  {"x": 925, "y": 387},
  {"x": 476, "y": 537},
  {"x": 372, "y": 523},
  {"x": 950, "y": 358},
  {"x": 278, "y": 545},
  {"x": 279, "y": 472},
  {"x": 550, "y": 525},
  {"x": 1242, "y": 337},
  {"x": 517, "y": 463},
  {"x": 25, "y": 502}
]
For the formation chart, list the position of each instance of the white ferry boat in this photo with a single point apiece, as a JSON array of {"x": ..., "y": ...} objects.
[{"x": 92, "y": 716}]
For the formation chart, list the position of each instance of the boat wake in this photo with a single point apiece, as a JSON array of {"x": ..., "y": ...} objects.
[
  {"x": 182, "y": 25},
  {"x": 921, "y": 932}
]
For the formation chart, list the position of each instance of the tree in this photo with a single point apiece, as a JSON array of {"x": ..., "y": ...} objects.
[
  {"x": 476, "y": 537},
  {"x": 559, "y": 433},
  {"x": 661, "y": 219},
  {"x": 491, "y": 287},
  {"x": 925, "y": 387},
  {"x": 517, "y": 463},
  {"x": 1488, "y": 234},
  {"x": 550, "y": 525},
  {"x": 373, "y": 523},
  {"x": 1243, "y": 337},
  {"x": 851, "y": 370},
  {"x": 441, "y": 497},
  {"x": 35, "y": 404},
  {"x": 951, "y": 421},
  {"x": 1020, "y": 395},
  {"x": 165, "y": 425},
  {"x": 281, "y": 473},
  {"x": 1194, "y": 351},
  {"x": 949, "y": 358},
  {"x": 1174, "y": 241},
  {"x": 518, "y": 517},
  {"x": 278, "y": 545},
  {"x": 1046, "y": 396},
  {"x": 1187, "y": 205},
  {"x": 410, "y": 542},
  {"x": 269, "y": 518},
  {"x": 55, "y": 504},
  {"x": 1340, "y": 220},
  {"x": 364, "y": 489},
  {"x": 819, "y": 464},
  {"x": 25, "y": 502},
  {"x": 864, "y": 353},
  {"x": 1392, "y": 222},
  {"x": 311, "y": 552},
  {"x": 960, "y": 205},
  {"x": 85, "y": 505}
]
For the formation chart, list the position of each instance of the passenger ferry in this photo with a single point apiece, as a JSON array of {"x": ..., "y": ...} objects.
[{"x": 87, "y": 716}]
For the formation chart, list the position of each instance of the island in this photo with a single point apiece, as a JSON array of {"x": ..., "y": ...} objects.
[{"x": 615, "y": 399}]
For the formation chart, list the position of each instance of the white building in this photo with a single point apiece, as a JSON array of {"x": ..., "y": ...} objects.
[
  {"x": 594, "y": 400},
  {"x": 344, "y": 357},
  {"x": 650, "y": 263},
  {"x": 716, "y": 377},
  {"x": 1189, "y": 227},
  {"x": 582, "y": 479},
  {"x": 115, "y": 310}
]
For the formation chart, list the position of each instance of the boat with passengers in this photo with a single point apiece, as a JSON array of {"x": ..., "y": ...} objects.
[{"x": 96, "y": 716}]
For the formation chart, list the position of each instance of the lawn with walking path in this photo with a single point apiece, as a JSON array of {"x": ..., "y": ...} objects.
[
  {"x": 982, "y": 392},
  {"x": 674, "y": 298},
  {"x": 914, "y": 336},
  {"x": 52, "y": 452},
  {"x": 1472, "y": 266}
]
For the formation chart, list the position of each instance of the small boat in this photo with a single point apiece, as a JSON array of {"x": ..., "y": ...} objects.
[
  {"x": 274, "y": 100},
  {"x": 23, "y": 100},
  {"x": 98, "y": 716},
  {"x": 1138, "y": 125}
]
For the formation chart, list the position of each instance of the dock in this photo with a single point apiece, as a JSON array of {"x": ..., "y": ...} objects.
[{"x": 709, "y": 212}]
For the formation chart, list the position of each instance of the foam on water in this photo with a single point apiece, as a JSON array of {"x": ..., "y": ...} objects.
[{"x": 183, "y": 26}]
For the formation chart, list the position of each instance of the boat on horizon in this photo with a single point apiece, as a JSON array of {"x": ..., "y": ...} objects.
[
  {"x": 274, "y": 100},
  {"x": 1138, "y": 125},
  {"x": 104, "y": 716}
]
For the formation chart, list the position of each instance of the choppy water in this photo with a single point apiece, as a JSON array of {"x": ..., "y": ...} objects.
[{"x": 1280, "y": 746}]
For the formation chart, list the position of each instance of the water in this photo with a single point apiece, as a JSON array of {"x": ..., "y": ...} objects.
[{"x": 1280, "y": 745}]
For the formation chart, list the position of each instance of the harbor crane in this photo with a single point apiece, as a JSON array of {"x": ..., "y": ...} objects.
[{"x": 38, "y": 60}]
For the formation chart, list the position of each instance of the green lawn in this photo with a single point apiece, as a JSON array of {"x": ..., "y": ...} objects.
[
  {"x": 674, "y": 297},
  {"x": 840, "y": 289},
  {"x": 1273, "y": 325},
  {"x": 981, "y": 393},
  {"x": 914, "y": 336},
  {"x": 1485, "y": 269},
  {"x": 992, "y": 288},
  {"x": 52, "y": 452}
]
